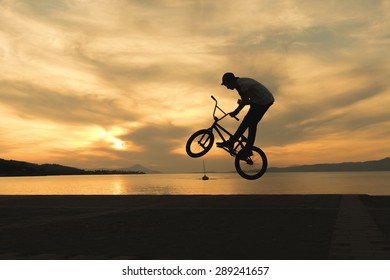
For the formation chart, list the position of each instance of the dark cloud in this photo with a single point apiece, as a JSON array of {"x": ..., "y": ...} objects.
[
  {"x": 157, "y": 139},
  {"x": 118, "y": 74},
  {"x": 37, "y": 102}
]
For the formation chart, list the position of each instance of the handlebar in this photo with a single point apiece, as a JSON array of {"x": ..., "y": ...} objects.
[{"x": 216, "y": 106}]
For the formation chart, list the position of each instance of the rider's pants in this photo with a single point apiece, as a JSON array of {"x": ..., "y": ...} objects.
[{"x": 250, "y": 121}]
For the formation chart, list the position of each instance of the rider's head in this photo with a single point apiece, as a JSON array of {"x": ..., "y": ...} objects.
[{"x": 229, "y": 80}]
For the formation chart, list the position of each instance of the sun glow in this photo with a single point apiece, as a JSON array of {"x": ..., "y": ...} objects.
[
  {"x": 115, "y": 142},
  {"x": 119, "y": 145}
]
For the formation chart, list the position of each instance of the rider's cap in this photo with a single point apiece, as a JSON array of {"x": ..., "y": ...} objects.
[{"x": 228, "y": 77}]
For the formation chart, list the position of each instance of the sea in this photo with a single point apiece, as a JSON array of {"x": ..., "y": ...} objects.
[{"x": 370, "y": 183}]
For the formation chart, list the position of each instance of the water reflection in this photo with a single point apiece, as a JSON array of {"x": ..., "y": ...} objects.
[
  {"x": 373, "y": 183},
  {"x": 117, "y": 187}
]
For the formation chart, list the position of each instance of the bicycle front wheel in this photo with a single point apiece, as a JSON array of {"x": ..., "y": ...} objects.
[
  {"x": 252, "y": 167},
  {"x": 200, "y": 143}
]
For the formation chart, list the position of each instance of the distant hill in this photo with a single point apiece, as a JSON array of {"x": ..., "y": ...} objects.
[
  {"x": 141, "y": 168},
  {"x": 374, "y": 165},
  {"x": 22, "y": 168}
]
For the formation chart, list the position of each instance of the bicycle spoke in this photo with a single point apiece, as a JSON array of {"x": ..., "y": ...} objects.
[
  {"x": 252, "y": 167},
  {"x": 199, "y": 143}
]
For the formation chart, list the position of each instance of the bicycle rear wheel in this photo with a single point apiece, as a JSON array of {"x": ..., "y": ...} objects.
[
  {"x": 252, "y": 167},
  {"x": 199, "y": 143}
]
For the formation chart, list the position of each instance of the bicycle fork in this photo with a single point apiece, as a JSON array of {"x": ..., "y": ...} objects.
[{"x": 203, "y": 142}]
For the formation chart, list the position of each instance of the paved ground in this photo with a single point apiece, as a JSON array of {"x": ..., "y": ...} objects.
[{"x": 195, "y": 227}]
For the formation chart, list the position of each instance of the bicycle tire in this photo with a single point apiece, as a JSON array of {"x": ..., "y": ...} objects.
[
  {"x": 253, "y": 167},
  {"x": 200, "y": 143}
]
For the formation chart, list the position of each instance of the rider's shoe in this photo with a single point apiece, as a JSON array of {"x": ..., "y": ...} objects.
[{"x": 226, "y": 144}]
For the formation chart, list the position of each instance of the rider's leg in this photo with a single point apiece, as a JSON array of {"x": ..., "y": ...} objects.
[
  {"x": 258, "y": 112},
  {"x": 251, "y": 119},
  {"x": 251, "y": 135},
  {"x": 241, "y": 129},
  {"x": 247, "y": 122}
]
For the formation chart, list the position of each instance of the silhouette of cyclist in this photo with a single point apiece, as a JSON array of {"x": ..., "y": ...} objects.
[{"x": 258, "y": 97}]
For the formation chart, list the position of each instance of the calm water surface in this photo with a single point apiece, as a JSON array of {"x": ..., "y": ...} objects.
[{"x": 372, "y": 183}]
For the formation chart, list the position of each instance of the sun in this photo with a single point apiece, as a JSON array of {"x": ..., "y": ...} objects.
[
  {"x": 115, "y": 142},
  {"x": 118, "y": 144}
]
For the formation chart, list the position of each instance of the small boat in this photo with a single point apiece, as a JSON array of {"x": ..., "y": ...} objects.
[{"x": 204, "y": 173}]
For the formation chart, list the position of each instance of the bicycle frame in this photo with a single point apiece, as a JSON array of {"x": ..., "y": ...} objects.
[
  {"x": 219, "y": 129},
  {"x": 250, "y": 163}
]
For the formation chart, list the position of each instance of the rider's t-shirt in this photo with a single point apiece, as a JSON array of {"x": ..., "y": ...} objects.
[{"x": 254, "y": 91}]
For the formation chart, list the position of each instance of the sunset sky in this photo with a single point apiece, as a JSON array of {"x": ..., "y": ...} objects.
[{"x": 113, "y": 83}]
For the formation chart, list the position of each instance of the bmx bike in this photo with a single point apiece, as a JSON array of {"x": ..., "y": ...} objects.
[{"x": 249, "y": 167}]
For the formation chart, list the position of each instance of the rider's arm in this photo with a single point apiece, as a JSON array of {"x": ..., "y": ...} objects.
[{"x": 241, "y": 104}]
